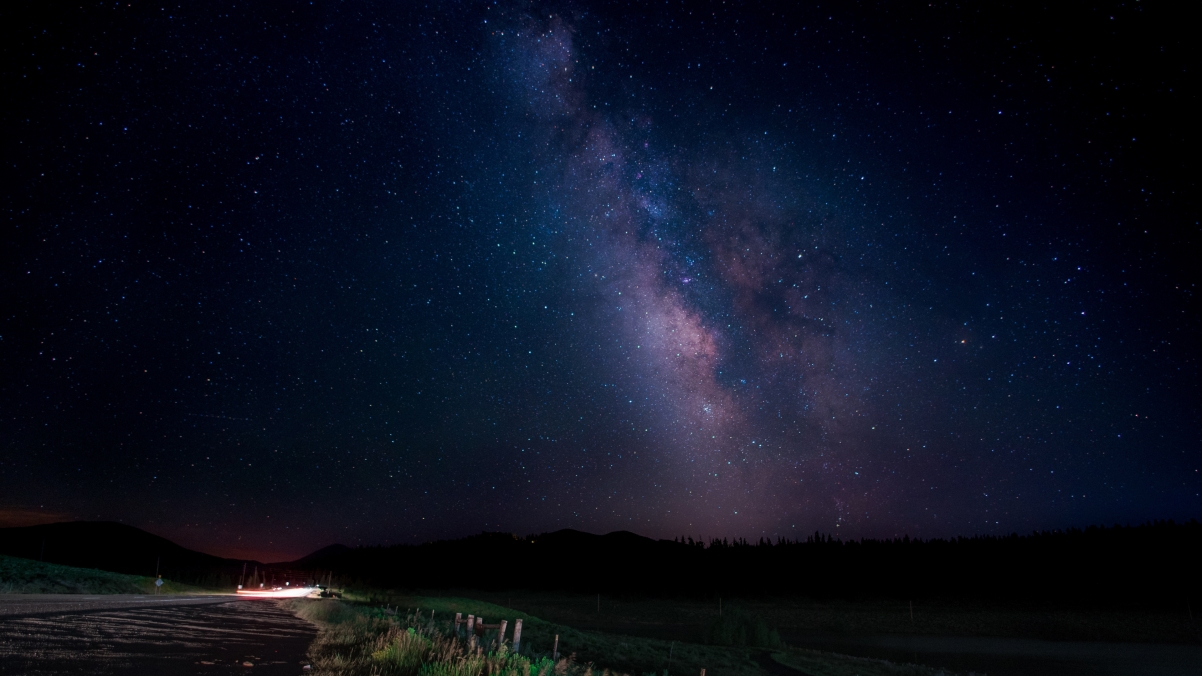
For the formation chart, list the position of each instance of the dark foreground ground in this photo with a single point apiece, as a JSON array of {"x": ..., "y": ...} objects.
[
  {"x": 63, "y": 634},
  {"x": 999, "y": 656},
  {"x": 998, "y": 641}
]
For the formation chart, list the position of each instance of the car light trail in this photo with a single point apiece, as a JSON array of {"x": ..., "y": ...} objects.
[{"x": 279, "y": 592}]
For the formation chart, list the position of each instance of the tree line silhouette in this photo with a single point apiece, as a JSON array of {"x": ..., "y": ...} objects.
[
  {"x": 1153, "y": 564},
  {"x": 1149, "y": 565}
]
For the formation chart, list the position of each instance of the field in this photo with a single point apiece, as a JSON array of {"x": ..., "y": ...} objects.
[
  {"x": 642, "y": 636},
  {"x": 799, "y": 618},
  {"x": 356, "y": 630},
  {"x": 25, "y": 576},
  {"x": 604, "y": 635}
]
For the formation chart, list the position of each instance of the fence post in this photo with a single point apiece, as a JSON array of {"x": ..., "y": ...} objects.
[
  {"x": 501, "y": 633},
  {"x": 458, "y": 619},
  {"x": 555, "y": 650},
  {"x": 517, "y": 636}
]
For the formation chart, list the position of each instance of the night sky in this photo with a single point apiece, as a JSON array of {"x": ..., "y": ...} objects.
[{"x": 274, "y": 277}]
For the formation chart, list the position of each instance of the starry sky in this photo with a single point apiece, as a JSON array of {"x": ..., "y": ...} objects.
[{"x": 275, "y": 276}]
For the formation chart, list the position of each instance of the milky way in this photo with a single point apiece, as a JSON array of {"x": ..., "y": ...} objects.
[
  {"x": 737, "y": 375},
  {"x": 382, "y": 275}
]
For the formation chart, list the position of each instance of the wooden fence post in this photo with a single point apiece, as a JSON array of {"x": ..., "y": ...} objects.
[
  {"x": 501, "y": 633},
  {"x": 517, "y": 636},
  {"x": 458, "y": 619},
  {"x": 703, "y": 672},
  {"x": 555, "y": 650}
]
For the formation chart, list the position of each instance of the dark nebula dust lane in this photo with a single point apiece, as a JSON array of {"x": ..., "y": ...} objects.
[{"x": 277, "y": 277}]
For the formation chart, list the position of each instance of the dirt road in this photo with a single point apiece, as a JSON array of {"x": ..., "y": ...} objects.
[{"x": 77, "y": 634}]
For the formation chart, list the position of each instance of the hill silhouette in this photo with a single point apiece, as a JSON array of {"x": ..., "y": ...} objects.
[
  {"x": 330, "y": 552},
  {"x": 118, "y": 548},
  {"x": 1151, "y": 565}
]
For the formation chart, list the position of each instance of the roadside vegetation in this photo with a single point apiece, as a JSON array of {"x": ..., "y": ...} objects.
[
  {"x": 358, "y": 639},
  {"x": 382, "y": 633},
  {"x": 798, "y": 618},
  {"x": 25, "y": 576}
]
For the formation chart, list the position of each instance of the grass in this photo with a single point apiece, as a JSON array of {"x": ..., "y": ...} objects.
[
  {"x": 630, "y": 654},
  {"x": 795, "y": 618},
  {"x": 814, "y": 663},
  {"x": 25, "y": 576},
  {"x": 360, "y": 637}
]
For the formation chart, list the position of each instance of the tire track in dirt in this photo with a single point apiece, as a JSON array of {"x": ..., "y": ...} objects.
[{"x": 211, "y": 638}]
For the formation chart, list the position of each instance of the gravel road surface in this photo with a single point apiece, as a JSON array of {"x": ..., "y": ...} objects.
[{"x": 79, "y": 634}]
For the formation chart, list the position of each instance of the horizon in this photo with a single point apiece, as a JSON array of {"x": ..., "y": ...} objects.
[
  {"x": 281, "y": 276},
  {"x": 704, "y": 543}
]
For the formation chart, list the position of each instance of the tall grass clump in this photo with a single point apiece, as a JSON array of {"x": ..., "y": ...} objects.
[
  {"x": 402, "y": 651},
  {"x": 357, "y": 640}
]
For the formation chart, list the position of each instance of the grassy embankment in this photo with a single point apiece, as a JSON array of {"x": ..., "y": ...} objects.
[
  {"x": 360, "y": 637},
  {"x": 795, "y": 618},
  {"x": 25, "y": 576}
]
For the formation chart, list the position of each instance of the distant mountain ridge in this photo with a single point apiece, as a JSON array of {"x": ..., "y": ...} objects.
[
  {"x": 118, "y": 548},
  {"x": 325, "y": 553},
  {"x": 1147, "y": 565}
]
